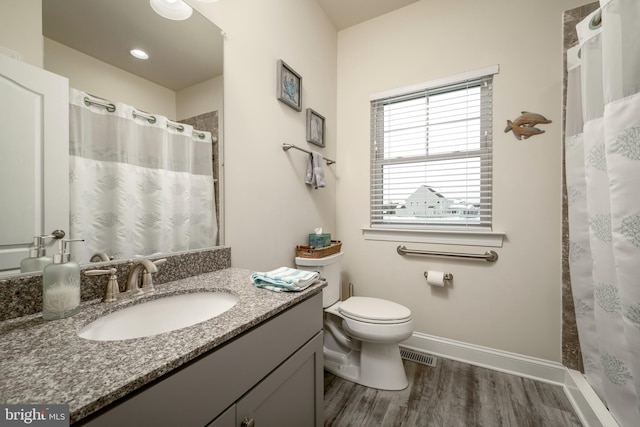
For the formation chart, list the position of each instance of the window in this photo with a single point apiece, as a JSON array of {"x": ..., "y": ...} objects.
[{"x": 431, "y": 156}]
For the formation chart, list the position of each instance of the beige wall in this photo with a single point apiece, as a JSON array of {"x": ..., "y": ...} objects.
[
  {"x": 268, "y": 207},
  {"x": 513, "y": 305},
  {"x": 200, "y": 98},
  {"x": 101, "y": 79},
  {"x": 93, "y": 76},
  {"x": 21, "y": 29}
]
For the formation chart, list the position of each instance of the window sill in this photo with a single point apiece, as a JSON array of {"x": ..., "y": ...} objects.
[{"x": 446, "y": 237}]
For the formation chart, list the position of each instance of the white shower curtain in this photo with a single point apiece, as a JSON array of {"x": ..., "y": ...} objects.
[
  {"x": 138, "y": 184},
  {"x": 602, "y": 154}
]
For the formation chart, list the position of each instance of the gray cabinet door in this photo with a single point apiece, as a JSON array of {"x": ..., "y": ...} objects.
[{"x": 292, "y": 395}]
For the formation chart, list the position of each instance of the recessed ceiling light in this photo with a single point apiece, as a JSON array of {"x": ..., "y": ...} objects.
[
  {"x": 172, "y": 9},
  {"x": 140, "y": 54}
]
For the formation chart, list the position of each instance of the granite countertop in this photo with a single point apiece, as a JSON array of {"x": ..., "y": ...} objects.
[{"x": 45, "y": 362}]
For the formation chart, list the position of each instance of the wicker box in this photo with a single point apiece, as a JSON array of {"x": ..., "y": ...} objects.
[{"x": 305, "y": 251}]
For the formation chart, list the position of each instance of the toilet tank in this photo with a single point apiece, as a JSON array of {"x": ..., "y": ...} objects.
[{"x": 329, "y": 268}]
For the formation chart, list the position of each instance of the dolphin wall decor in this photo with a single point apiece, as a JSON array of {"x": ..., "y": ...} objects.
[{"x": 525, "y": 125}]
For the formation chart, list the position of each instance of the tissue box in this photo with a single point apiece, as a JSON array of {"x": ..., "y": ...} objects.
[{"x": 320, "y": 240}]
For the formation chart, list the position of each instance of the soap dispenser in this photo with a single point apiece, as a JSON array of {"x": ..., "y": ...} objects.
[
  {"x": 61, "y": 284},
  {"x": 38, "y": 258}
]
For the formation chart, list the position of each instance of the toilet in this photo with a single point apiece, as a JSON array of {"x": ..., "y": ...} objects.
[{"x": 361, "y": 334}]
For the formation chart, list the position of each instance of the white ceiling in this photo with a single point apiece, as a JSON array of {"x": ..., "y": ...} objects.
[
  {"x": 346, "y": 13},
  {"x": 182, "y": 53}
]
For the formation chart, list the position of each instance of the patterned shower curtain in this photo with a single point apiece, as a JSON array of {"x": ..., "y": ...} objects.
[
  {"x": 139, "y": 184},
  {"x": 602, "y": 154}
]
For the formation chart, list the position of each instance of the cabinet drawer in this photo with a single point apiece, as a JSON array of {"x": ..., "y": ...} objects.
[{"x": 226, "y": 419}]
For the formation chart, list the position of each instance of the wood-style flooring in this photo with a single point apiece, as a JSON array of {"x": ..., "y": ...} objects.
[{"x": 453, "y": 394}]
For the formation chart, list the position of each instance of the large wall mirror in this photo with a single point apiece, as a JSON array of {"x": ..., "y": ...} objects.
[{"x": 89, "y": 42}]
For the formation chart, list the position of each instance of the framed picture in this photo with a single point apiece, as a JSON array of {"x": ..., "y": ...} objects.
[
  {"x": 315, "y": 128},
  {"x": 289, "y": 86}
]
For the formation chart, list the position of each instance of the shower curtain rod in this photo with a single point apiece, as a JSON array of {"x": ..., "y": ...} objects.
[
  {"x": 109, "y": 106},
  {"x": 150, "y": 118},
  {"x": 287, "y": 147}
]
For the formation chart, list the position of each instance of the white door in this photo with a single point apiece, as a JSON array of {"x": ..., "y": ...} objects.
[{"x": 34, "y": 150}]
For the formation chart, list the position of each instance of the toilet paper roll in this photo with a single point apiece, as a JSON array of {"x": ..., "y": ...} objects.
[{"x": 435, "y": 278}]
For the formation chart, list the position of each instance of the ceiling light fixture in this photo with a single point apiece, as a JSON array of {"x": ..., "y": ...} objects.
[
  {"x": 138, "y": 53},
  {"x": 176, "y": 10}
]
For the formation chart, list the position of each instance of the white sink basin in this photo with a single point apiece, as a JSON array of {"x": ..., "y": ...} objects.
[{"x": 157, "y": 316}]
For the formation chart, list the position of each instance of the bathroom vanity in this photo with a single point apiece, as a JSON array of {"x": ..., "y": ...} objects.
[{"x": 258, "y": 363}]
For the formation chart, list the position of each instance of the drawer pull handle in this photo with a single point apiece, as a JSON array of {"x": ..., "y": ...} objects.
[{"x": 248, "y": 422}]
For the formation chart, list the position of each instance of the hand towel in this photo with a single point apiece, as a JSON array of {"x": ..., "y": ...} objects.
[
  {"x": 315, "y": 171},
  {"x": 318, "y": 171},
  {"x": 308, "y": 179},
  {"x": 285, "y": 279}
]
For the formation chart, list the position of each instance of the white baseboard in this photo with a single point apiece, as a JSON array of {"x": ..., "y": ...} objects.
[
  {"x": 588, "y": 407},
  {"x": 498, "y": 360},
  {"x": 585, "y": 402},
  {"x": 10, "y": 53}
]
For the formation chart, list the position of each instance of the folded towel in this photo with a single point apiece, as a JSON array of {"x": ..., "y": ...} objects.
[
  {"x": 285, "y": 279},
  {"x": 308, "y": 179},
  {"x": 318, "y": 171},
  {"x": 315, "y": 171}
]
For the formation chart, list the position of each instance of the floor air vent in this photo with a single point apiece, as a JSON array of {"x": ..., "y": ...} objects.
[{"x": 416, "y": 356}]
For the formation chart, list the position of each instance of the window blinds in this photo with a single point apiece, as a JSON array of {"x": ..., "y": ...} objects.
[{"x": 431, "y": 156}]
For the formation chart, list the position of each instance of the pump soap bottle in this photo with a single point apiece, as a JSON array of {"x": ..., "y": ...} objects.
[
  {"x": 61, "y": 284},
  {"x": 38, "y": 258}
]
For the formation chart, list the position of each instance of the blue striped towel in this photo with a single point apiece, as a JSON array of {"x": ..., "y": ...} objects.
[{"x": 285, "y": 279}]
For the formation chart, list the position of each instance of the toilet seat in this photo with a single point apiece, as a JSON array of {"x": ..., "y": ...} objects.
[{"x": 374, "y": 311}]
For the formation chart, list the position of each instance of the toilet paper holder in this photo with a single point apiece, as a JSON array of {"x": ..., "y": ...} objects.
[{"x": 447, "y": 276}]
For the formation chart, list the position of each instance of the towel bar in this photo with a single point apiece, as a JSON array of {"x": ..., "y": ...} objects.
[
  {"x": 287, "y": 147},
  {"x": 490, "y": 256}
]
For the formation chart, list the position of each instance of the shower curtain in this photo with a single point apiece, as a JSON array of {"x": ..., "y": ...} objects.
[
  {"x": 602, "y": 154},
  {"x": 139, "y": 183}
]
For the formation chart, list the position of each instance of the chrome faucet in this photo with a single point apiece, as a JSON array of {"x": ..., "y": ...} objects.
[
  {"x": 111, "y": 291},
  {"x": 147, "y": 280},
  {"x": 147, "y": 267},
  {"x": 100, "y": 256}
]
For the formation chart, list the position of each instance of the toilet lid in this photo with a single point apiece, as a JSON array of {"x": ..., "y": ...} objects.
[{"x": 374, "y": 310}]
